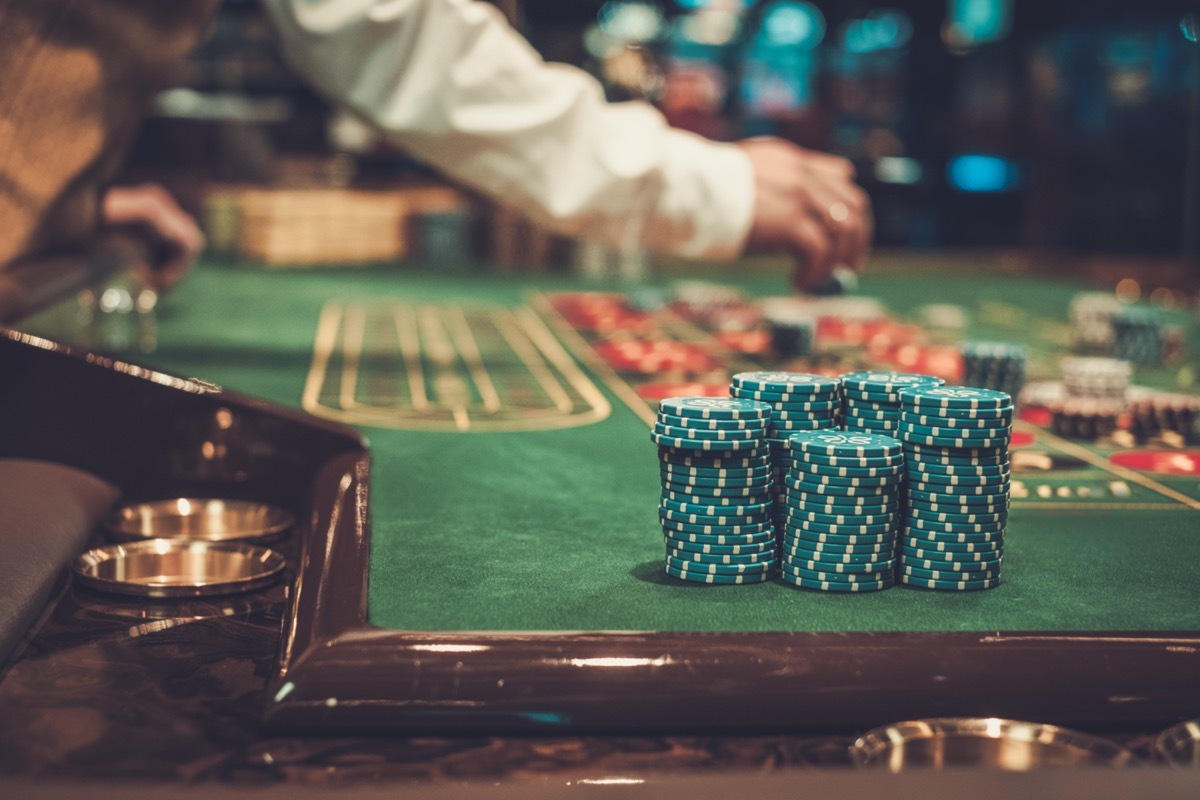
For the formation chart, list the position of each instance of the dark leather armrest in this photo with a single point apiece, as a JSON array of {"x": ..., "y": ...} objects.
[{"x": 47, "y": 513}]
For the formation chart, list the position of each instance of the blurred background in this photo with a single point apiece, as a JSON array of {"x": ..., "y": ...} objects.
[{"x": 1058, "y": 126}]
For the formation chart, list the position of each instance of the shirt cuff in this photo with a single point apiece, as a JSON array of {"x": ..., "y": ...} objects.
[{"x": 712, "y": 185}]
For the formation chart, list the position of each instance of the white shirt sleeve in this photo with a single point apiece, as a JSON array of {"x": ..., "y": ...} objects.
[{"x": 456, "y": 86}]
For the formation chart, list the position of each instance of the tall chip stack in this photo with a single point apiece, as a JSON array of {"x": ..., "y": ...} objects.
[
  {"x": 994, "y": 365},
  {"x": 957, "y": 488},
  {"x": 799, "y": 402},
  {"x": 843, "y": 500},
  {"x": 1138, "y": 335},
  {"x": 717, "y": 487},
  {"x": 791, "y": 326},
  {"x": 1091, "y": 317},
  {"x": 1174, "y": 344},
  {"x": 1093, "y": 399},
  {"x": 871, "y": 400}
]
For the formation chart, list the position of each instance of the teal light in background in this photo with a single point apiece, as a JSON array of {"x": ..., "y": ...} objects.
[
  {"x": 882, "y": 29},
  {"x": 899, "y": 170},
  {"x": 789, "y": 23},
  {"x": 695, "y": 5},
  {"x": 974, "y": 22},
  {"x": 631, "y": 21},
  {"x": 977, "y": 172},
  {"x": 777, "y": 72},
  {"x": 1189, "y": 26}
]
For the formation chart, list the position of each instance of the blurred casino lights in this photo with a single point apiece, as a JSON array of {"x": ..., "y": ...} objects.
[
  {"x": 882, "y": 29},
  {"x": 716, "y": 25},
  {"x": 788, "y": 23},
  {"x": 631, "y": 22},
  {"x": 970, "y": 23},
  {"x": 1058, "y": 124},
  {"x": 977, "y": 172},
  {"x": 779, "y": 62},
  {"x": 898, "y": 170},
  {"x": 1189, "y": 26}
]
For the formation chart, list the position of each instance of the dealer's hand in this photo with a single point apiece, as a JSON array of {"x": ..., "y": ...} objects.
[
  {"x": 807, "y": 204},
  {"x": 174, "y": 238}
]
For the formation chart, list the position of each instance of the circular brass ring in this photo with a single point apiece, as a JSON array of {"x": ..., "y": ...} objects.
[
  {"x": 1179, "y": 745},
  {"x": 200, "y": 518},
  {"x": 984, "y": 743},
  {"x": 178, "y": 568}
]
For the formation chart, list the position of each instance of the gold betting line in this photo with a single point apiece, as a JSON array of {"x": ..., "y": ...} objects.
[
  {"x": 1075, "y": 506},
  {"x": 338, "y": 323},
  {"x": 408, "y": 337},
  {"x": 521, "y": 343},
  {"x": 464, "y": 340},
  {"x": 451, "y": 389},
  {"x": 328, "y": 325},
  {"x": 545, "y": 340},
  {"x": 445, "y": 336},
  {"x": 597, "y": 365},
  {"x": 353, "y": 333},
  {"x": 353, "y": 344},
  {"x": 1103, "y": 463}
]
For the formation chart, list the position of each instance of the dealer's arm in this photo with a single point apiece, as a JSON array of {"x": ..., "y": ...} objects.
[{"x": 454, "y": 84}]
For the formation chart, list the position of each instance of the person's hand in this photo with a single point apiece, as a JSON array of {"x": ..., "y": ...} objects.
[
  {"x": 807, "y": 204},
  {"x": 172, "y": 236}
]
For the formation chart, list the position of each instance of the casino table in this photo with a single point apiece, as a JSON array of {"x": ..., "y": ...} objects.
[{"x": 477, "y": 550}]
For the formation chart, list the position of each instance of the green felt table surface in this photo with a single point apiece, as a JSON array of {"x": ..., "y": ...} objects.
[{"x": 557, "y": 530}]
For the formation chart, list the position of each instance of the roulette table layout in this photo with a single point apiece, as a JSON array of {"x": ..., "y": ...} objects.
[{"x": 474, "y": 544}]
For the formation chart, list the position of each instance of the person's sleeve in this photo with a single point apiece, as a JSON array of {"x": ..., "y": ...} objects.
[{"x": 458, "y": 88}]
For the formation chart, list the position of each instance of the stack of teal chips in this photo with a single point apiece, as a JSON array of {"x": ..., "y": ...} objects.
[
  {"x": 957, "y": 487},
  {"x": 1138, "y": 335},
  {"x": 843, "y": 511},
  {"x": 871, "y": 400},
  {"x": 799, "y": 402},
  {"x": 717, "y": 486},
  {"x": 994, "y": 365}
]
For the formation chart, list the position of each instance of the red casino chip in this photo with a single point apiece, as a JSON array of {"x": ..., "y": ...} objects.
[
  {"x": 598, "y": 311},
  {"x": 833, "y": 330},
  {"x": 1021, "y": 439},
  {"x": 654, "y": 357},
  {"x": 654, "y": 392},
  {"x": 1036, "y": 415},
  {"x": 890, "y": 334},
  {"x": 939, "y": 360},
  {"x": 754, "y": 342},
  {"x": 1164, "y": 462}
]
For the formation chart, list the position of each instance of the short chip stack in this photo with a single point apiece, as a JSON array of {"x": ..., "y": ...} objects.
[
  {"x": 1094, "y": 389},
  {"x": 799, "y": 401},
  {"x": 1091, "y": 316},
  {"x": 994, "y": 365},
  {"x": 1138, "y": 335},
  {"x": 956, "y": 460},
  {"x": 1096, "y": 377},
  {"x": 793, "y": 333},
  {"x": 871, "y": 400},
  {"x": 1155, "y": 414},
  {"x": 717, "y": 489},
  {"x": 842, "y": 504},
  {"x": 1084, "y": 417}
]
